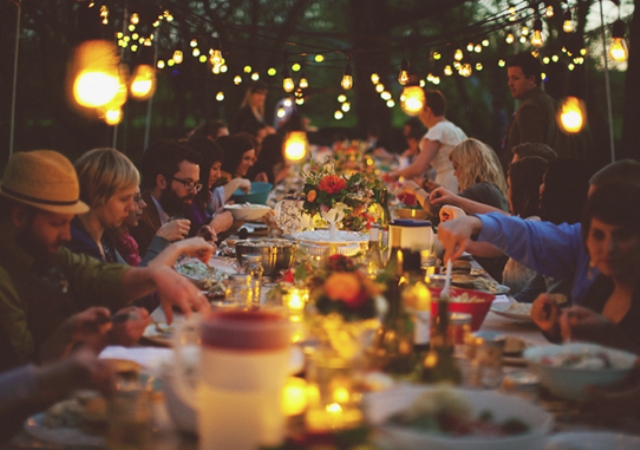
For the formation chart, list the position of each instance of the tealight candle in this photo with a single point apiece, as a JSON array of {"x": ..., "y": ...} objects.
[
  {"x": 295, "y": 299},
  {"x": 294, "y": 397}
]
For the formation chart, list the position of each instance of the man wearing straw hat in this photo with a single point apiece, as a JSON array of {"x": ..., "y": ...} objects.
[{"x": 42, "y": 283}]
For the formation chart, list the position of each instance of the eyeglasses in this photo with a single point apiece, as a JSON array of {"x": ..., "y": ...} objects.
[{"x": 189, "y": 185}]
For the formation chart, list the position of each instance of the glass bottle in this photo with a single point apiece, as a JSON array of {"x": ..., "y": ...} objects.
[
  {"x": 393, "y": 347},
  {"x": 439, "y": 365},
  {"x": 417, "y": 298},
  {"x": 239, "y": 293},
  {"x": 252, "y": 265},
  {"x": 380, "y": 211},
  {"x": 373, "y": 260}
]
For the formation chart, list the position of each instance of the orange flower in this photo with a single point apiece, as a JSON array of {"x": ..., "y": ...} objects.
[
  {"x": 311, "y": 196},
  {"x": 342, "y": 286},
  {"x": 332, "y": 184}
]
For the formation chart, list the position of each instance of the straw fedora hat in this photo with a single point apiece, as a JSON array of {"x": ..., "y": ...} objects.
[{"x": 44, "y": 179}]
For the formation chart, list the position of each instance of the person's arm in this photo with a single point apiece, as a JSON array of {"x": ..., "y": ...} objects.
[
  {"x": 158, "y": 244},
  {"x": 195, "y": 246},
  {"x": 421, "y": 162},
  {"x": 442, "y": 196},
  {"x": 234, "y": 185}
]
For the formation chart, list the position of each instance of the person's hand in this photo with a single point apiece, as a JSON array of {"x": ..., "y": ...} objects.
[
  {"x": 206, "y": 232},
  {"x": 128, "y": 326},
  {"x": 176, "y": 290},
  {"x": 444, "y": 196},
  {"x": 221, "y": 222},
  {"x": 261, "y": 177},
  {"x": 88, "y": 325},
  {"x": 585, "y": 324},
  {"x": 455, "y": 235},
  {"x": 409, "y": 187},
  {"x": 244, "y": 185},
  {"x": 545, "y": 312},
  {"x": 196, "y": 247},
  {"x": 81, "y": 370},
  {"x": 430, "y": 185},
  {"x": 175, "y": 230},
  {"x": 448, "y": 212}
]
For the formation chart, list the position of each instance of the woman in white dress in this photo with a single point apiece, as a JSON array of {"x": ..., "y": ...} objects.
[{"x": 436, "y": 144}]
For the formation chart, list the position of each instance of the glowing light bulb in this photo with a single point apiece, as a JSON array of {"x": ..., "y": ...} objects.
[
  {"x": 296, "y": 67},
  {"x": 216, "y": 57},
  {"x": 237, "y": 80},
  {"x": 342, "y": 98},
  {"x": 346, "y": 106},
  {"x": 347, "y": 78},
  {"x": 281, "y": 113},
  {"x": 479, "y": 66},
  {"x": 193, "y": 43},
  {"x": 390, "y": 103},
  {"x": 160, "y": 64},
  {"x": 436, "y": 80},
  {"x": 287, "y": 103},
  {"x": 465, "y": 70},
  {"x": 94, "y": 89},
  {"x": 567, "y": 24},
  {"x": 618, "y": 51},
  {"x": 525, "y": 30},
  {"x": 319, "y": 58},
  {"x": 255, "y": 76},
  {"x": 143, "y": 84},
  {"x": 135, "y": 18},
  {"x": 501, "y": 63},
  {"x": 247, "y": 69},
  {"x": 549, "y": 11},
  {"x": 375, "y": 78},
  {"x": 295, "y": 146},
  {"x": 536, "y": 37},
  {"x": 195, "y": 52},
  {"x": 220, "y": 96},
  {"x": 300, "y": 101},
  {"x": 304, "y": 83},
  {"x": 113, "y": 116},
  {"x": 458, "y": 55},
  {"x": 470, "y": 47},
  {"x": 509, "y": 38},
  {"x": 448, "y": 71},
  {"x": 379, "y": 88},
  {"x": 104, "y": 14},
  {"x": 485, "y": 42},
  {"x": 178, "y": 57},
  {"x": 338, "y": 115},
  {"x": 271, "y": 72},
  {"x": 386, "y": 95},
  {"x": 572, "y": 115},
  {"x": 287, "y": 81},
  {"x": 412, "y": 100}
]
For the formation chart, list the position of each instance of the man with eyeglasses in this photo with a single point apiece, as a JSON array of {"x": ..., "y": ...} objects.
[{"x": 172, "y": 172}]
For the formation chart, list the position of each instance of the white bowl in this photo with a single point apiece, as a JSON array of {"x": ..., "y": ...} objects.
[
  {"x": 379, "y": 406},
  {"x": 569, "y": 382},
  {"x": 247, "y": 211}
]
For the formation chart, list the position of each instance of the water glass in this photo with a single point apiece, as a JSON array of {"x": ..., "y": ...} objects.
[
  {"x": 239, "y": 293},
  {"x": 252, "y": 265}
]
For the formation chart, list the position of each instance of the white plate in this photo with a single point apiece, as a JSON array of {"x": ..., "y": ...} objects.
[
  {"x": 34, "y": 426},
  {"x": 592, "y": 441},
  {"x": 324, "y": 237},
  {"x": 518, "y": 312},
  {"x": 247, "y": 212}
]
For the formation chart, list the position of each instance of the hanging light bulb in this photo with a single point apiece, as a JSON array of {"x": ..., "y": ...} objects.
[
  {"x": 193, "y": 43},
  {"x": 571, "y": 116},
  {"x": 501, "y": 63},
  {"x": 386, "y": 95},
  {"x": 295, "y": 146},
  {"x": 379, "y": 88},
  {"x": 618, "y": 51},
  {"x": 375, "y": 78},
  {"x": 220, "y": 96},
  {"x": 525, "y": 30},
  {"x": 549, "y": 11},
  {"x": 135, "y": 18},
  {"x": 287, "y": 81},
  {"x": 216, "y": 59},
  {"x": 143, "y": 83},
  {"x": 104, "y": 14},
  {"x": 304, "y": 83},
  {"x": 178, "y": 57},
  {"x": 347, "y": 78},
  {"x": 470, "y": 47},
  {"x": 113, "y": 116},
  {"x": 342, "y": 98},
  {"x": 237, "y": 80},
  {"x": 403, "y": 76},
  {"x": 412, "y": 100},
  {"x": 448, "y": 71},
  {"x": 338, "y": 115},
  {"x": 536, "y": 37},
  {"x": 477, "y": 48},
  {"x": 346, "y": 106},
  {"x": 287, "y": 102},
  {"x": 255, "y": 76},
  {"x": 509, "y": 38},
  {"x": 281, "y": 112},
  {"x": 567, "y": 24},
  {"x": 465, "y": 70},
  {"x": 458, "y": 55}
]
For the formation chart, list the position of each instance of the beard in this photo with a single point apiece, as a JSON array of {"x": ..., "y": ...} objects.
[
  {"x": 42, "y": 253},
  {"x": 173, "y": 204}
]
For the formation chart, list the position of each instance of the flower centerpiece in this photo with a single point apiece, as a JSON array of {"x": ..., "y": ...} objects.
[{"x": 339, "y": 199}]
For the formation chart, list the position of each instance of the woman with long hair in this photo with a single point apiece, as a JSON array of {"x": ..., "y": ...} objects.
[{"x": 252, "y": 107}]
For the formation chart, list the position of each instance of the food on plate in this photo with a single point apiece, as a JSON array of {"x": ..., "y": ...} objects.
[
  {"x": 519, "y": 308},
  {"x": 461, "y": 266},
  {"x": 585, "y": 360},
  {"x": 64, "y": 414},
  {"x": 263, "y": 243},
  {"x": 194, "y": 269},
  {"x": 478, "y": 283},
  {"x": 446, "y": 412},
  {"x": 465, "y": 298},
  {"x": 245, "y": 206},
  {"x": 159, "y": 330},
  {"x": 86, "y": 409},
  {"x": 209, "y": 278}
]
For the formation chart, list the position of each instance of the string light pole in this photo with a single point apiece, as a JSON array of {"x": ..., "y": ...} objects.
[
  {"x": 607, "y": 82},
  {"x": 12, "y": 125}
]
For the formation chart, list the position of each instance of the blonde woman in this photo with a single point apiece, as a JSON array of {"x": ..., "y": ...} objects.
[{"x": 252, "y": 107}]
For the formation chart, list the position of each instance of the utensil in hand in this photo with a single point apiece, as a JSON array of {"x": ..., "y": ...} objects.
[{"x": 447, "y": 282}]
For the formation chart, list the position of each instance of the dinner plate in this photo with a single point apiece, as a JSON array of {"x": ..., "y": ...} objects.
[
  {"x": 518, "y": 312},
  {"x": 160, "y": 333},
  {"x": 34, "y": 426},
  {"x": 592, "y": 441}
]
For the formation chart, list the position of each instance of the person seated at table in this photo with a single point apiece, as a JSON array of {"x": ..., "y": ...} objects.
[
  {"x": 437, "y": 144},
  {"x": 43, "y": 282},
  {"x": 610, "y": 311},
  {"x": 239, "y": 156},
  {"x": 271, "y": 161},
  {"x": 553, "y": 250},
  {"x": 170, "y": 181}
]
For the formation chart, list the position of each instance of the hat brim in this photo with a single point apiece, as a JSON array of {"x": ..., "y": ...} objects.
[{"x": 77, "y": 208}]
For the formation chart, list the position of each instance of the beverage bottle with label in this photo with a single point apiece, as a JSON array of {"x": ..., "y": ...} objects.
[{"x": 373, "y": 259}]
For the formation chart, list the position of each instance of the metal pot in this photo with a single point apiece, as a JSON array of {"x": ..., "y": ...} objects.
[{"x": 277, "y": 254}]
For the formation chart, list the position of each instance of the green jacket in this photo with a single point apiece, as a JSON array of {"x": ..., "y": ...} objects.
[{"x": 35, "y": 300}]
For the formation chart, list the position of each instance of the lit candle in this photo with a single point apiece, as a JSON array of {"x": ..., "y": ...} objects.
[
  {"x": 294, "y": 397},
  {"x": 295, "y": 299}
]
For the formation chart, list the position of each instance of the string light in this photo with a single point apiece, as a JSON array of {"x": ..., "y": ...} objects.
[
  {"x": 448, "y": 71},
  {"x": 422, "y": 83},
  {"x": 375, "y": 78},
  {"x": 178, "y": 57},
  {"x": 549, "y": 11},
  {"x": 458, "y": 55},
  {"x": 485, "y": 42},
  {"x": 319, "y": 58},
  {"x": 347, "y": 78},
  {"x": 618, "y": 51},
  {"x": 300, "y": 101},
  {"x": 271, "y": 72},
  {"x": 287, "y": 102},
  {"x": 287, "y": 81},
  {"x": 195, "y": 52},
  {"x": 160, "y": 64},
  {"x": 571, "y": 117},
  {"x": 247, "y": 69},
  {"x": 296, "y": 67},
  {"x": 113, "y": 116},
  {"x": 479, "y": 66},
  {"x": 470, "y": 47},
  {"x": 171, "y": 63},
  {"x": 501, "y": 63},
  {"x": 509, "y": 38},
  {"x": 536, "y": 37},
  {"x": 525, "y": 30},
  {"x": 304, "y": 83},
  {"x": 391, "y": 103},
  {"x": 104, "y": 14},
  {"x": 143, "y": 84},
  {"x": 237, "y": 80},
  {"x": 342, "y": 98},
  {"x": 193, "y": 43},
  {"x": 512, "y": 13},
  {"x": 403, "y": 76},
  {"x": 338, "y": 115},
  {"x": 135, "y": 19},
  {"x": 465, "y": 70},
  {"x": 281, "y": 113},
  {"x": 436, "y": 80},
  {"x": 478, "y": 48},
  {"x": 220, "y": 96},
  {"x": 567, "y": 22},
  {"x": 255, "y": 76},
  {"x": 412, "y": 100},
  {"x": 346, "y": 106},
  {"x": 386, "y": 95},
  {"x": 379, "y": 88}
]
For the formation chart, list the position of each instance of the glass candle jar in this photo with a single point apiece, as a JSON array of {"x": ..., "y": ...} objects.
[{"x": 239, "y": 292}]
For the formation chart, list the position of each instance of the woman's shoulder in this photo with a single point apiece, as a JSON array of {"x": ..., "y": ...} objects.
[
  {"x": 446, "y": 132},
  {"x": 487, "y": 193}
]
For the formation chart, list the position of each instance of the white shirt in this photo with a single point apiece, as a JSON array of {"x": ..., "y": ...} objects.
[{"x": 448, "y": 136}]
